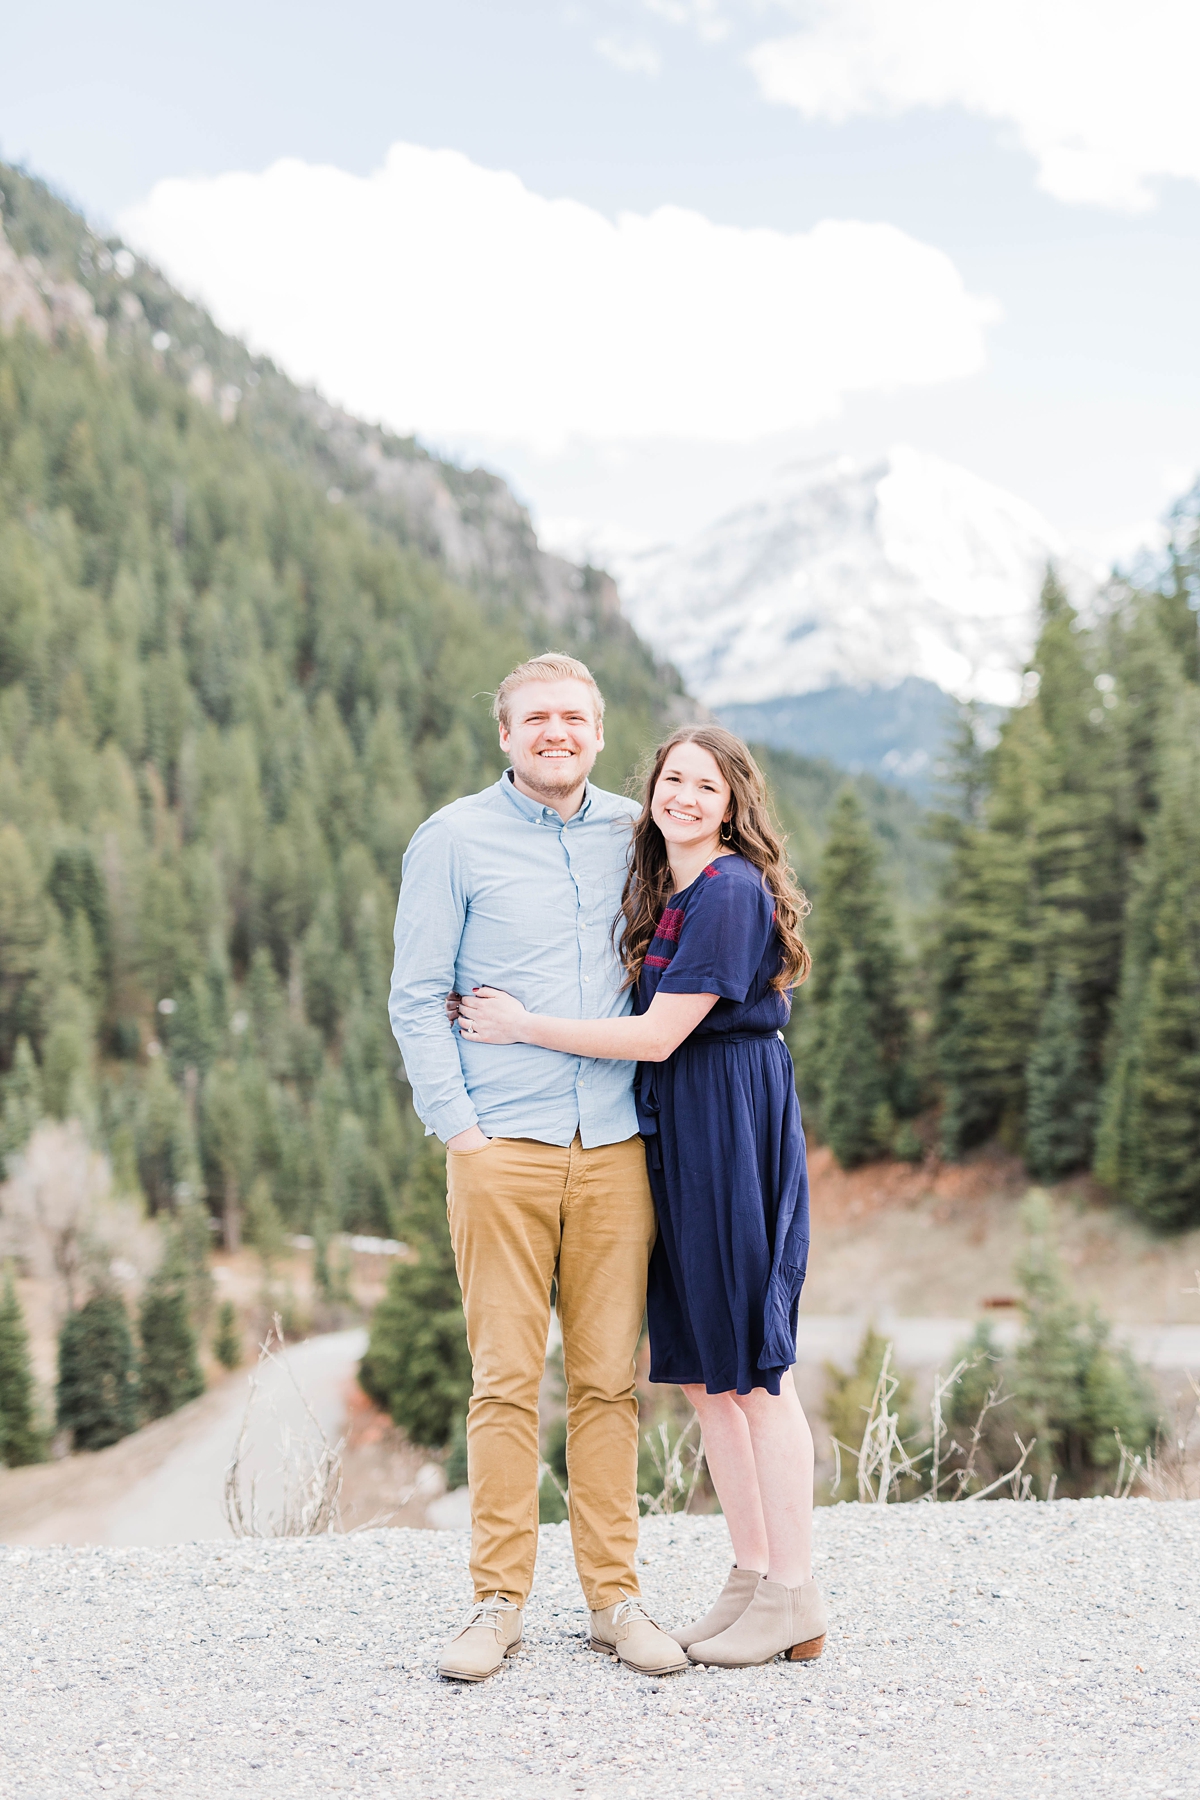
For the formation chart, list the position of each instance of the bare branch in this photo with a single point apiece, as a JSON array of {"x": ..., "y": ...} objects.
[
  {"x": 312, "y": 1476},
  {"x": 1022, "y": 1487}
]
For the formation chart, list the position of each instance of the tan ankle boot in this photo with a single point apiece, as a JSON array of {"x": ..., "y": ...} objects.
[
  {"x": 778, "y": 1621},
  {"x": 627, "y": 1631},
  {"x": 492, "y": 1632},
  {"x": 729, "y": 1605}
]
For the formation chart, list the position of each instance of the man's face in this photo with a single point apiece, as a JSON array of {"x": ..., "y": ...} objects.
[{"x": 554, "y": 736}]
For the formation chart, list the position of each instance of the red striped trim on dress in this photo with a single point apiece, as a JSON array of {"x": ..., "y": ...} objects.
[
  {"x": 659, "y": 962},
  {"x": 670, "y": 924}
]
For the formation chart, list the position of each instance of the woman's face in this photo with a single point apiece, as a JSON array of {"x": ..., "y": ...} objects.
[{"x": 691, "y": 798}]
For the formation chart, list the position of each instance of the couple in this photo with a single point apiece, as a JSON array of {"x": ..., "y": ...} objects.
[{"x": 620, "y": 1118}]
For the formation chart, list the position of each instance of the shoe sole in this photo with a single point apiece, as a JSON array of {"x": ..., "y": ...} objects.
[
  {"x": 604, "y": 1649},
  {"x": 462, "y": 1674}
]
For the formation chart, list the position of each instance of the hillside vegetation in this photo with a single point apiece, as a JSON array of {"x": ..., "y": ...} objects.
[
  {"x": 226, "y": 699},
  {"x": 1068, "y": 972},
  {"x": 246, "y": 645},
  {"x": 1054, "y": 1004}
]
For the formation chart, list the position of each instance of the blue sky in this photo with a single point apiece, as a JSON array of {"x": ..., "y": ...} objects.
[{"x": 1073, "y": 378}]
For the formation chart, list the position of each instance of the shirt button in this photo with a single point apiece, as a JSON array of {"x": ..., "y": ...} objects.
[{"x": 587, "y": 978}]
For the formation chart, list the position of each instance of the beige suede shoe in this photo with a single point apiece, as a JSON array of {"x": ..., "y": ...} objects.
[
  {"x": 779, "y": 1621},
  {"x": 492, "y": 1632},
  {"x": 729, "y": 1605},
  {"x": 627, "y": 1631}
]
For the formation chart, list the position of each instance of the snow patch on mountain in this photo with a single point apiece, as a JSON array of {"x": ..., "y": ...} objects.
[{"x": 853, "y": 573}]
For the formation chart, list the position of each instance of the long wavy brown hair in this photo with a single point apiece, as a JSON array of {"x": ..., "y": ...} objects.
[{"x": 750, "y": 832}]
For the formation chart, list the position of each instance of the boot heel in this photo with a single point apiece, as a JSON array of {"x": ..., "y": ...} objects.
[
  {"x": 604, "y": 1649},
  {"x": 806, "y": 1652}
]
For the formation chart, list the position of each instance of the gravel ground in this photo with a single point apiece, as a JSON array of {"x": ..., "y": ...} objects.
[{"x": 991, "y": 1650}]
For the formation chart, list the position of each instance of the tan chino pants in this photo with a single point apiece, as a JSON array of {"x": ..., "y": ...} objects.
[{"x": 522, "y": 1214}]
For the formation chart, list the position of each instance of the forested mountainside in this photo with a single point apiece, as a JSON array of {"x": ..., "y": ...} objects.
[
  {"x": 228, "y": 693},
  {"x": 246, "y": 644},
  {"x": 1067, "y": 1003},
  {"x": 1055, "y": 1000},
  {"x": 465, "y": 521}
]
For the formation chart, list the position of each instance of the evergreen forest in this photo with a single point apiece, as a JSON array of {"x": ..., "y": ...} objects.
[{"x": 1052, "y": 1004}]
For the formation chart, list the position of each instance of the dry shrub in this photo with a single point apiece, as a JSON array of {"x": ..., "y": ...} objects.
[
  {"x": 311, "y": 1467},
  {"x": 886, "y": 1469}
]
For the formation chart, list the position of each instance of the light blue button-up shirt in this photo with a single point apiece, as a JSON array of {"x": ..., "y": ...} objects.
[{"x": 498, "y": 890}]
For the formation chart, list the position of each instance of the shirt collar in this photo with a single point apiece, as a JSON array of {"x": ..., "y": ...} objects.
[{"x": 542, "y": 815}]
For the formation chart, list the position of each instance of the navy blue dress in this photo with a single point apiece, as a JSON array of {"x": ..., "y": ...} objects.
[{"x": 724, "y": 1145}]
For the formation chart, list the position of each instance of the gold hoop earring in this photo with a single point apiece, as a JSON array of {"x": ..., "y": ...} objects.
[{"x": 727, "y": 831}]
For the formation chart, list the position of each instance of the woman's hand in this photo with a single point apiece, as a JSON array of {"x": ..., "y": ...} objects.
[{"x": 488, "y": 1015}]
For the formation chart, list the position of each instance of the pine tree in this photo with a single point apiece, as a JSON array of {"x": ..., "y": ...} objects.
[
  {"x": 853, "y": 1029},
  {"x": 417, "y": 1365},
  {"x": 986, "y": 974},
  {"x": 1148, "y": 1147},
  {"x": 852, "y": 1075},
  {"x": 97, "y": 1400},
  {"x": 1072, "y": 1390},
  {"x": 169, "y": 1369},
  {"x": 854, "y": 920},
  {"x": 228, "y": 1141},
  {"x": 1078, "y": 860},
  {"x": 227, "y": 1344},
  {"x": 1060, "y": 1090},
  {"x": 1034, "y": 892},
  {"x": 20, "y": 1102},
  {"x": 166, "y": 1154},
  {"x": 20, "y": 1440},
  {"x": 22, "y": 932},
  {"x": 1166, "y": 1184}
]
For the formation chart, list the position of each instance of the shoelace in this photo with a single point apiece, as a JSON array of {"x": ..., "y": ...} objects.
[
  {"x": 629, "y": 1610},
  {"x": 487, "y": 1612}
]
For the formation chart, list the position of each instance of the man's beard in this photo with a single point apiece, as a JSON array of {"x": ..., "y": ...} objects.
[{"x": 553, "y": 778}]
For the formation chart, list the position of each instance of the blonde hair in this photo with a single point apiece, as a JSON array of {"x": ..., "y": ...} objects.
[
  {"x": 752, "y": 834},
  {"x": 555, "y": 665}
]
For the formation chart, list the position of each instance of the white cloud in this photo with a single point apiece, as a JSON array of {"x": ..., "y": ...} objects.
[
  {"x": 1102, "y": 93},
  {"x": 448, "y": 299},
  {"x": 705, "y": 17},
  {"x": 633, "y": 56}
]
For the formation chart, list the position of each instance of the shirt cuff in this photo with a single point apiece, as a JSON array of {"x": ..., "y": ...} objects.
[{"x": 447, "y": 1121}]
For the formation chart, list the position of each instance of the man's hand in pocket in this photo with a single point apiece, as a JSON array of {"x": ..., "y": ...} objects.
[{"x": 471, "y": 1139}]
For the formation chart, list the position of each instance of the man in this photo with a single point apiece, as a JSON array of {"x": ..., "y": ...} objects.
[{"x": 518, "y": 886}]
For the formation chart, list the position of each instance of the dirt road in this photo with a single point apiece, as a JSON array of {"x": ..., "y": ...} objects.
[{"x": 165, "y": 1484}]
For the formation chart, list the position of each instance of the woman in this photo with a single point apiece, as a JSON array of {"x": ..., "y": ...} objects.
[{"x": 710, "y": 939}]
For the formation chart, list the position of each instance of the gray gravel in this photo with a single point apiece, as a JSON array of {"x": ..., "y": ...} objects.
[{"x": 982, "y": 1650}]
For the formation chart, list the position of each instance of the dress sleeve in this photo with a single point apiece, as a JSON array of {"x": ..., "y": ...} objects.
[{"x": 723, "y": 937}]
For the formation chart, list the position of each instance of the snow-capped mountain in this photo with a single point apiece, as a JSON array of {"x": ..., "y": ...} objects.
[{"x": 851, "y": 574}]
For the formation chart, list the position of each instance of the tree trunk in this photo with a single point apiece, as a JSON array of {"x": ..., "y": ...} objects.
[{"x": 233, "y": 1216}]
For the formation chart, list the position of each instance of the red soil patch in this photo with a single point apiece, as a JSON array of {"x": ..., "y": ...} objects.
[{"x": 839, "y": 1195}]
